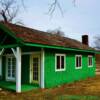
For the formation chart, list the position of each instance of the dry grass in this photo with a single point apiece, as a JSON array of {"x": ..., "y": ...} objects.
[{"x": 88, "y": 89}]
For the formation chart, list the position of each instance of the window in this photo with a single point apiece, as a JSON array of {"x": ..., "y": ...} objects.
[
  {"x": 60, "y": 62},
  {"x": 11, "y": 68},
  {"x": 78, "y": 61},
  {"x": 90, "y": 61}
]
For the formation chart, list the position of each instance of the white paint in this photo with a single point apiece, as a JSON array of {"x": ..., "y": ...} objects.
[
  {"x": 14, "y": 52},
  {"x": 90, "y": 56},
  {"x": 61, "y": 69},
  {"x": 31, "y": 63},
  {"x": 42, "y": 68},
  {"x": 79, "y": 67},
  {"x": 9, "y": 78},
  {"x": 18, "y": 70},
  {"x": 17, "y": 54},
  {"x": 1, "y": 52}
]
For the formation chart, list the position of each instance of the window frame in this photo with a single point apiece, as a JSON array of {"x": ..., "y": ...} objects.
[
  {"x": 88, "y": 61},
  {"x": 60, "y": 62},
  {"x": 7, "y": 77},
  {"x": 79, "y": 67}
]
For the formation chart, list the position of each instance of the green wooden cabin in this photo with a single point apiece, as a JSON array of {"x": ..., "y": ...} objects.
[{"x": 30, "y": 58}]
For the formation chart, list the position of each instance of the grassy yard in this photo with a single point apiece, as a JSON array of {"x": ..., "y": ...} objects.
[{"x": 88, "y": 89}]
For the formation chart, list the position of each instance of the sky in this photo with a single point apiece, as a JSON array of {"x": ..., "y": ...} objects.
[{"x": 84, "y": 18}]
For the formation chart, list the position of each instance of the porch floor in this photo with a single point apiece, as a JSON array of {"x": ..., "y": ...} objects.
[{"x": 12, "y": 86}]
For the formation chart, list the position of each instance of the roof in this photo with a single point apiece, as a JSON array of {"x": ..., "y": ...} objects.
[{"x": 29, "y": 35}]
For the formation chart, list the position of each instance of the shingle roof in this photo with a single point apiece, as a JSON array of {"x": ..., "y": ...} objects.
[{"x": 40, "y": 37}]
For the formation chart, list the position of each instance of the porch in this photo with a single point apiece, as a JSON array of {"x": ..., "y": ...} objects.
[
  {"x": 16, "y": 69},
  {"x": 12, "y": 86}
]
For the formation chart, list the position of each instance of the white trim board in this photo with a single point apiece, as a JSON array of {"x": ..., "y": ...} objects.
[
  {"x": 42, "y": 68},
  {"x": 81, "y": 62},
  {"x": 57, "y": 54},
  {"x": 88, "y": 61}
]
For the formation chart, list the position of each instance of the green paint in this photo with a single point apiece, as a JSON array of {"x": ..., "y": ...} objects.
[
  {"x": 9, "y": 46},
  {"x": 78, "y": 97},
  {"x": 25, "y": 68},
  {"x": 3, "y": 68},
  {"x": 12, "y": 86},
  {"x": 58, "y": 47},
  {"x": 71, "y": 74}
]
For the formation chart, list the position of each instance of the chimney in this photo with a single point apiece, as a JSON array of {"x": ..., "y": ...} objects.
[{"x": 85, "y": 39}]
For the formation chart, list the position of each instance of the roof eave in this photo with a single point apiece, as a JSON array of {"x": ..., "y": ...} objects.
[{"x": 58, "y": 47}]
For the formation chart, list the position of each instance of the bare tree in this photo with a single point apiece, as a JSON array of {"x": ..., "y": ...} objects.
[
  {"x": 57, "y": 32},
  {"x": 9, "y": 10},
  {"x": 55, "y": 4}
]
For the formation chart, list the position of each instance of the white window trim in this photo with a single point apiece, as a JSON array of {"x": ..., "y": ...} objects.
[
  {"x": 56, "y": 70},
  {"x": 7, "y": 78},
  {"x": 81, "y": 62},
  {"x": 88, "y": 61}
]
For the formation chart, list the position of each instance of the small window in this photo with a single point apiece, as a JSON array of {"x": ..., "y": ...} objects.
[
  {"x": 60, "y": 62},
  {"x": 90, "y": 61},
  {"x": 78, "y": 61}
]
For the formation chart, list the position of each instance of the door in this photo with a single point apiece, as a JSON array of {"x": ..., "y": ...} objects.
[
  {"x": 35, "y": 69},
  {"x": 11, "y": 68}
]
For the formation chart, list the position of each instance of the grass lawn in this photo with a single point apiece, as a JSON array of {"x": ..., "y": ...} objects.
[{"x": 88, "y": 89}]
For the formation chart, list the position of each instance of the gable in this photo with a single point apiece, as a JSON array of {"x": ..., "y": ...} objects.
[{"x": 6, "y": 39}]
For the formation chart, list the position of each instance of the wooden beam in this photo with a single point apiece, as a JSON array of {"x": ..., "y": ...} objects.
[
  {"x": 2, "y": 51},
  {"x": 42, "y": 68},
  {"x": 14, "y": 52}
]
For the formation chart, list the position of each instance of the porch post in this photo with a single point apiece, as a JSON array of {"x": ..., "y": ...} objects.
[
  {"x": 18, "y": 70},
  {"x": 42, "y": 68}
]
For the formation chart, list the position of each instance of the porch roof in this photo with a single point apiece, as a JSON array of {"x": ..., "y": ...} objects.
[{"x": 31, "y": 37}]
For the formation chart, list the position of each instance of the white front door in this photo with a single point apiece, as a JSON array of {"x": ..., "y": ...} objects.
[{"x": 11, "y": 68}]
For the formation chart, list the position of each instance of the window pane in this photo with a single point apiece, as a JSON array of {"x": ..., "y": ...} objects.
[
  {"x": 11, "y": 67},
  {"x": 79, "y": 61},
  {"x": 90, "y": 61},
  {"x": 58, "y": 62},
  {"x": 13, "y": 61},
  {"x": 62, "y": 62},
  {"x": 76, "y": 61}
]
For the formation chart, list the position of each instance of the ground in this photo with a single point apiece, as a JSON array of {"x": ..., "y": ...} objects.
[{"x": 88, "y": 89}]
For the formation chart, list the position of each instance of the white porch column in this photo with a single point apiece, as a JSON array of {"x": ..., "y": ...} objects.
[
  {"x": 42, "y": 68},
  {"x": 18, "y": 70},
  {"x": 17, "y": 54}
]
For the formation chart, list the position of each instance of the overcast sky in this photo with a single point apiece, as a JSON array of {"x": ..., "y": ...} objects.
[{"x": 82, "y": 19}]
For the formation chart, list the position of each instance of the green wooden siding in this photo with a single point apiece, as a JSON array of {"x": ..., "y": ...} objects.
[
  {"x": 25, "y": 68},
  {"x": 71, "y": 74},
  {"x": 3, "y": 68},
  {"x": 53, "y": 78}
]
